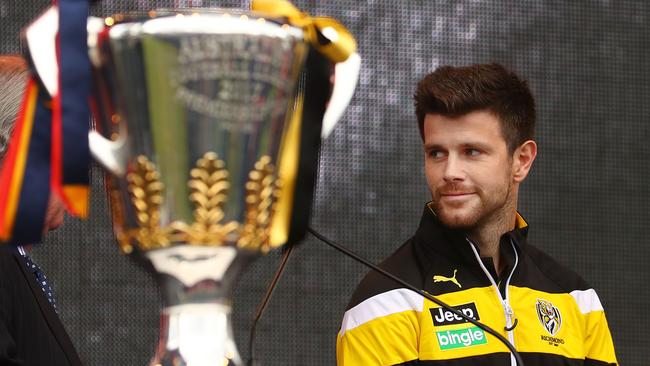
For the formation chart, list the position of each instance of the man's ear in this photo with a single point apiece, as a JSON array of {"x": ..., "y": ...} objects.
[{"x": 523, "y": 158}]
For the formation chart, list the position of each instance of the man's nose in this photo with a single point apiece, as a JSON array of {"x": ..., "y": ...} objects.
[{"x": 454, "y": 170}]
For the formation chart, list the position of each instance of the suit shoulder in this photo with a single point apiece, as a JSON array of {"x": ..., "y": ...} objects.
[
  {"x": 401, "y": 263},
  {"x": 8, "y": 265}
]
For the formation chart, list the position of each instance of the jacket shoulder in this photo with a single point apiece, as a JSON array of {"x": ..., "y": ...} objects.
[
  {"x": 547, "y": 274},
  {"x": 401, "y": 263}
]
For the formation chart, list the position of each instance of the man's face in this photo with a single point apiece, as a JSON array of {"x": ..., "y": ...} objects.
[{"x": 468, "y": 169}]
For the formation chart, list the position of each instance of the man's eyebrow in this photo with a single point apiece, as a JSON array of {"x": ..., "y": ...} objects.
[
  {"x": 478, "y": 144},
  {"x": 469, "y": 144},
  {"x": 433, "y": 146}
]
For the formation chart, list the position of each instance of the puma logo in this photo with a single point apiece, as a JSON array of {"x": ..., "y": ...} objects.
[{"x": 438, "y": 278}]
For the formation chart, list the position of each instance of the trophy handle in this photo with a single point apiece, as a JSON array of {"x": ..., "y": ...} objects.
[
  {"x": 94, "y": 26},
  {"x": 111, "y": 155},
  {"x": 346, "y": 76}
]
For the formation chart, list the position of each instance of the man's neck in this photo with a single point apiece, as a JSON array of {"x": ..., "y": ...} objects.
[{"x": 488, "y": 236}]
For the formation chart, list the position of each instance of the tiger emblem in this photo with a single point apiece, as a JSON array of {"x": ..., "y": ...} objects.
[{"x": 549, "y": 316}]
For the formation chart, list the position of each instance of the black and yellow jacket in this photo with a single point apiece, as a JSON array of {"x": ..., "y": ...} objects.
[{"x": 554, "y": 316}]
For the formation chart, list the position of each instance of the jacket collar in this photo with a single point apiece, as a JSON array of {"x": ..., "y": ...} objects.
[{"x": 435, "y": 239}]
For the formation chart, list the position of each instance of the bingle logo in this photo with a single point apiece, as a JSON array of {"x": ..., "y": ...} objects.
[
  {"x": 442, "y": 317},
  {"x": 458, "y": 338}
]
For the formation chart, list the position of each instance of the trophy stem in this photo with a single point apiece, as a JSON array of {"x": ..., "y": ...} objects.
[
  {"x": 195, "y": 322},
  {"x": 196, "y": 335}
]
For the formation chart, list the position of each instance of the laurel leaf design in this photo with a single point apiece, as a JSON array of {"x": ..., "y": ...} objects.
[
  {"x": 146, "y": 189},
  {"x": 146, "y": 192},
  {"x": 261, "y": 192},
  {"x": 209, "y": 188}
]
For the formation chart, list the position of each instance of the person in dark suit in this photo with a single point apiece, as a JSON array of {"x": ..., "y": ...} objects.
[{"x": 31, "y": 333}]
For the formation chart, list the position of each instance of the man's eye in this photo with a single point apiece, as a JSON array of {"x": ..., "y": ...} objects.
[
  {"x": 473, "y": 152},
  {"x": 436, "y": 154}
]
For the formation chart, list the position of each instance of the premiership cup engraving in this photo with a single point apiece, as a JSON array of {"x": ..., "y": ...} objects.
[
  {"x": 201, "y": 101},
  {"x": 247, "y": 71}
]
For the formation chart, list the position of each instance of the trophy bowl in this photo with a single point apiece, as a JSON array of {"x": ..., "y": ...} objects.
[{"x": 193, "y": 110}]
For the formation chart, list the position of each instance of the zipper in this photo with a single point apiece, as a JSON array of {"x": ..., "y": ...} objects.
[{"x": 505, "y": 303}]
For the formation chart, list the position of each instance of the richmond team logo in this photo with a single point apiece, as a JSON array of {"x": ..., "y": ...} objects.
[{"x": 549, "y": 316}]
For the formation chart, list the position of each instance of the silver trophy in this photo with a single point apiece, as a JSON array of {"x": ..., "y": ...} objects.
[{"x": 197, "y": 117}]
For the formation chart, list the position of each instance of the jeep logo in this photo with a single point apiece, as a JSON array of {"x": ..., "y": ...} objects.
[{"x": 442, "y": 317}]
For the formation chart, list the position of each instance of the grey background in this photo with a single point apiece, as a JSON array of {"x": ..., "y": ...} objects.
[{"x": 586, "y": 199}]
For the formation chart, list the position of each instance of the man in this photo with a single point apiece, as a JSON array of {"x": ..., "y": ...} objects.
[
  {"x": 30, "y": 330},
  {"x": 470, "y": 249}
]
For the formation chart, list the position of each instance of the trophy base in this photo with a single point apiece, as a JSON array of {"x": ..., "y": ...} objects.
[{"x": 196, "y": 335}]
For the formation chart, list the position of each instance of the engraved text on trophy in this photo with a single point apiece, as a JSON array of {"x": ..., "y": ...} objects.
[{"x": 238, "y": 80}]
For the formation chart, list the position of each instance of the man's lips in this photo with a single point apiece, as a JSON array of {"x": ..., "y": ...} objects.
[
  {"x": 455, "y": 196},
  {"x": 455, "y": 193}
]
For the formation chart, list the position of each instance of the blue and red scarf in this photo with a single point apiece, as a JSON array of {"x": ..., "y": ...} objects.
[{"x": 48, "y": 150}]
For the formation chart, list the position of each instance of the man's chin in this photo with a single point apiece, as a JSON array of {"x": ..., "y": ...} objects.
[{"x": 457, "y": 221}]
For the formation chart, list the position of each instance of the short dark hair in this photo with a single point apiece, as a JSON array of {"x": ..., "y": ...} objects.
[{"x": 455, "y": 91}]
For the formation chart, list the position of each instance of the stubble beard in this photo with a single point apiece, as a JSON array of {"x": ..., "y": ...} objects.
[{"x": 488, "y": 211}]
